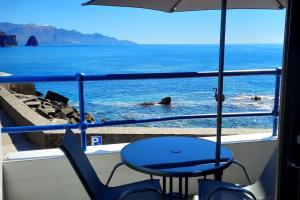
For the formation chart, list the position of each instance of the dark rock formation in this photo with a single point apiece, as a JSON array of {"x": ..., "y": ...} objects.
[
  {"x": 89, "y": 118},
  {"x": 165, "y": 101},
  {"x": 7, "y": 40},
  {"x": 55, "y": 110},
  {"x": 32, "y": 41},
  {"x": 46, "y": 111},
  {"x": 38, "y": 93},
  {"x": 53, "y": 96},
  {"x": 23, "y": 88},
  {"x": 147, "y": 104},
  {"x": 256, "y": 98}
]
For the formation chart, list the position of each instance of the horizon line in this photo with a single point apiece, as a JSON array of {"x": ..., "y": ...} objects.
[{"x": 271, "y": 43}]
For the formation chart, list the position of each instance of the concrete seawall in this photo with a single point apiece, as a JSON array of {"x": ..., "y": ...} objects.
[
  {"x": 22, "y": 115},
  {"x": 1, "y": 166}
]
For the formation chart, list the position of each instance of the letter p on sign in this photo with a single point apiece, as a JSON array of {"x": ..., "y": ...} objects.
[{"x": 96, "y": 140}]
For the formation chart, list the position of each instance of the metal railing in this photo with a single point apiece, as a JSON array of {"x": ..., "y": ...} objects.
[{"x": 81, "y": 78}]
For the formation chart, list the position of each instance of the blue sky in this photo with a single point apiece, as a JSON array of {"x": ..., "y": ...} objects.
[{"x": 146, "y": 26}]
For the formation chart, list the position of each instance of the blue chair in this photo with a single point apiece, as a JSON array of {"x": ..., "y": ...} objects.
[
  {"x": 263, "y": 189},
  {"x": 143, "y": 190}
]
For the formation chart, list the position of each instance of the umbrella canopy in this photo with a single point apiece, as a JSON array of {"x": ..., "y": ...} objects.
[
  {"x": 191, "y": 5},
  {"x": 194, "y": 5}
]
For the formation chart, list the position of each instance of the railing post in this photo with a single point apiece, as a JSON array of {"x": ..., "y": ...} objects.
[
  {"x": 276, "y": 102},
  {"x": 82, "y": 123}
]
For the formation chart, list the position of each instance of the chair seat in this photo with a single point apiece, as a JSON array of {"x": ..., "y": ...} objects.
[
  {"x": 262, "y": 189},
  {"x": 207, "y": 186},
  {"x": 141, "y": 188}
]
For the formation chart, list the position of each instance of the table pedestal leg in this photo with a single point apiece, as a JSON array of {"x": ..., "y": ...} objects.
[
  {"x": 164, "y": 185},
  {"x": 218, "y": 176},
  {"x": 171, "y": 185},
  {"x": 180, "y": 188},
  {"x": 186, "y": 185}
]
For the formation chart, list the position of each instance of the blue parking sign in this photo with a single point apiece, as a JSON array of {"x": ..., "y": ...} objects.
[{"x": 96, "y": 140}]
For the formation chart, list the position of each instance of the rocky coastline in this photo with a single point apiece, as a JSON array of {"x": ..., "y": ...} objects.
[
  {"x": 52, "y": 106},
  {"x": 7, "y": 40}
]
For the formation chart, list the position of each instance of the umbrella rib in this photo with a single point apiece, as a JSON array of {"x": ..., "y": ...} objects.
[
  {"x": 280, "y": 4},
  {"x": 175, "y": 5},
  {"x": 87, "y": 3}
]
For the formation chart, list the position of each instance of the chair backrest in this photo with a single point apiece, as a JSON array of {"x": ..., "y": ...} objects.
[
  {"x": 82, "y": 166},
  {"x": 268, "y": 177}
]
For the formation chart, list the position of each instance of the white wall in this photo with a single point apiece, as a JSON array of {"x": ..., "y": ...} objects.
[
  {"x": 53, "y": 178},
  {"x": 1, "y": 161}
]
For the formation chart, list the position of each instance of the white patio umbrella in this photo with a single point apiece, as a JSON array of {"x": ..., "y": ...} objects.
[
  {"x": 197, "y": 5},
  {"x": 191, "y": 5}
]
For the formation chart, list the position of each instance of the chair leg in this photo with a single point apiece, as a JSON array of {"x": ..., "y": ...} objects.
[
  {"x": 244, "y": 169},
  {"x": 113, "y": 171},
  {"x": 164, "y": 185}
]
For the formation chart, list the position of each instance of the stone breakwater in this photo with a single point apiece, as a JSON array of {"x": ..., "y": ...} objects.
[{"x": 53, "y": 110}]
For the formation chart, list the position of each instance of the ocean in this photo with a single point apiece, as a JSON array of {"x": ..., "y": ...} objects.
[{"x": 116, "y": 100}]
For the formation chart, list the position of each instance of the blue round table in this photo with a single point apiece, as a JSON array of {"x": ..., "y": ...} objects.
[{"x": 175, "y": 156}]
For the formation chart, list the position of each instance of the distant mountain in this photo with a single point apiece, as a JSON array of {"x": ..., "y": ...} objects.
[{"x": 49, "y": 35}]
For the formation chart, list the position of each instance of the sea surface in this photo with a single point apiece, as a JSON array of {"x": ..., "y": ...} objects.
[{"x": 116, "y": 100}]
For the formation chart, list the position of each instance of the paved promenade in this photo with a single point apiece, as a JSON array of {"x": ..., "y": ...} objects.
[
  {"x": 179, "y": 131},
  {"x": 11, "y": 143}
]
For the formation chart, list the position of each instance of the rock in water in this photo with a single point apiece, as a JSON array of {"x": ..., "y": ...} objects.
[
  {"x": 165, "y": 101},
  {"x": 89, "y": 118},
  {"x": 7, "y": 40},
  {"x": 147, "y": 104},
  {"x": 32, "y": 41},
  {"x": 256, "y": 98}
]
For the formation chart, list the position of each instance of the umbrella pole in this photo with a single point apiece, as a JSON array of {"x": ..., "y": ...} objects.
[{"x": 220, "y": 96}]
